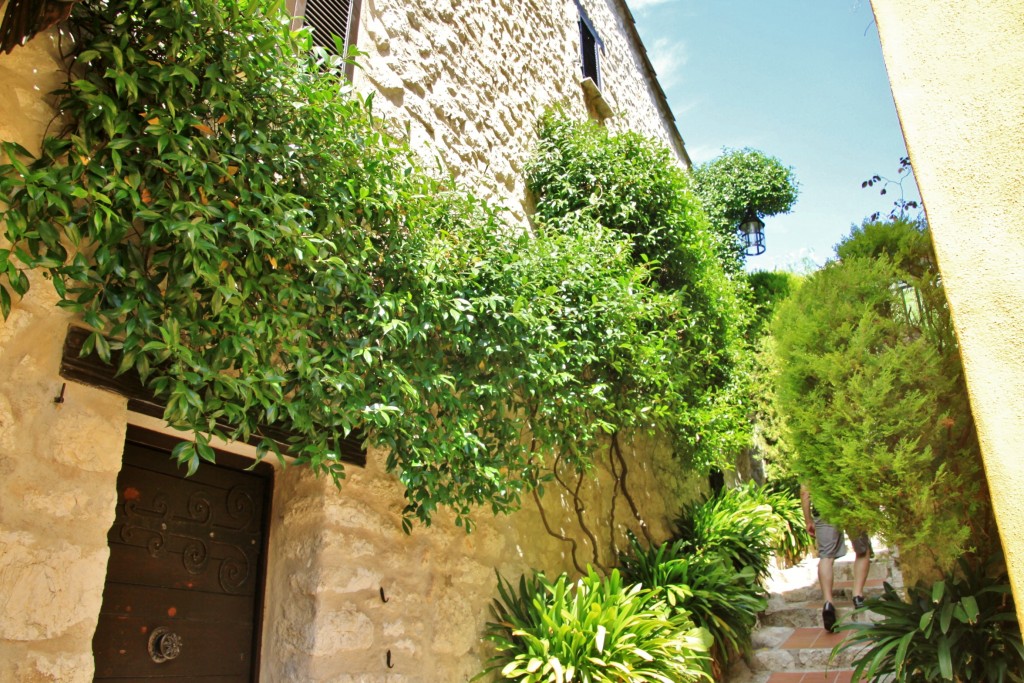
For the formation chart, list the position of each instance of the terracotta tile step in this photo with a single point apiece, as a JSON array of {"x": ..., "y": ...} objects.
[
  {"x": 812, "y": 638},
  {"x": 834, "y": 676}
]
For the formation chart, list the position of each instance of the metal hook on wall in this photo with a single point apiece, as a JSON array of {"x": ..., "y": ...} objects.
[
  {"x": 390, "y": 665},
  {"x": 382, "y": 596},
  {"x": 60, "y": 398}
]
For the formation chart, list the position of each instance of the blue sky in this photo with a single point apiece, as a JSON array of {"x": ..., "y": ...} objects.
[{"x": 802, "y": 80}]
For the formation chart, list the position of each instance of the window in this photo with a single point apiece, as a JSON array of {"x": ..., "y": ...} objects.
[
  {"x": 590, "y": 41},
  {"x": 330, "y": 18}
]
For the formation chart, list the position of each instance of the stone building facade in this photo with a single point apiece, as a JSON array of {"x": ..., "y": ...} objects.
[{"x": 347, "y": 596}]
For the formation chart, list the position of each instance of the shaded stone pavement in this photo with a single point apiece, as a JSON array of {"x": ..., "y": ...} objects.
[{"x": 790, "y": 645}]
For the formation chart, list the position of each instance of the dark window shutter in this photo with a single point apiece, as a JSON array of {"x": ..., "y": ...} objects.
[
  {"x": 329, "y": 18},
  {"x": 588, "y": 48},
  {"x": 590, "y": 42}
]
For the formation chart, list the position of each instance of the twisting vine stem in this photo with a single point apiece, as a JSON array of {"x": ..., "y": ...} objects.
[
  {"x": 559, "y": 536},
  {"x": 625, "y": 490},
  {"x": 615, "y": 496},
  {"x": 579, "y": 508}
]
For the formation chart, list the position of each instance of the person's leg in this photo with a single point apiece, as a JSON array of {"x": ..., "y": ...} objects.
[
  {"x": 830, "y": 546},
  {"x": 861, "y": 565},
  {"x": 825, "y": 572}
]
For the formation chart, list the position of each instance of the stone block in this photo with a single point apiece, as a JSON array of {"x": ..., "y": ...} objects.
[
  {"x": 47, "y": 587},
  {"x": 770, "y": 636},
  {"x": 773, "y": 660},
  {"x": 340, "y": 631}
]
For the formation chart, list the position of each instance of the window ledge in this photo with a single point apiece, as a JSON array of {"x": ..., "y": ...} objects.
[{"x": 597, "y": 105}]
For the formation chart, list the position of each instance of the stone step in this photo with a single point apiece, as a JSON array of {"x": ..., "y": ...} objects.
[
  {"x": 808, "y": 614},
  {"x": 831, "y": 676},
  {"x": 789, "y": 644},
  {"x": 841, "y": 590},
  {"x": 878, "y": 569},
  {"x": 741, "y": 673},
  {"x": 805, "y": 649}
]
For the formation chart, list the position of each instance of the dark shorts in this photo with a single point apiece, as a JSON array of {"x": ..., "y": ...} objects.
[{"x": 831, "y": 542}]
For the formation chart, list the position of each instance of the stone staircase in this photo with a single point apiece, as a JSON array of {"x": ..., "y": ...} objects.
[{"x": 790, "y": 645}]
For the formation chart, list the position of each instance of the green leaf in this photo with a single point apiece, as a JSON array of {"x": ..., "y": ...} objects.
[
  {"x": 183, "y": 451},
  {"x": 926, "y": 621},
  {"x": 970, "y": 605},
  {"x": 900, "y": 658},
  {"x": 945, "y": 658},
  {"x": 946, "y": 617}
]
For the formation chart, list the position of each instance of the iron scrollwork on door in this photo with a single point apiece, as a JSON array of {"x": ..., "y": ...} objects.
[{"x": 207, "y": 526}]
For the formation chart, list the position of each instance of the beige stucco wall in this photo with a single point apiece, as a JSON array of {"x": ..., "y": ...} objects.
[
  {"x": 957, "y": 75},
  {"x": 471, "y": 79}
]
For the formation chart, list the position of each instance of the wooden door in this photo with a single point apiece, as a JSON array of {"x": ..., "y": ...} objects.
[{"x": 185, "y": 577}]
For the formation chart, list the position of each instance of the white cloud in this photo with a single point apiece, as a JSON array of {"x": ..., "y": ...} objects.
[
  {"x": 668, "y": 57},
  {"x": 640, "y": 5},
  {"x": 803, "y": 261},
  {"x": 701, "y": 153}
]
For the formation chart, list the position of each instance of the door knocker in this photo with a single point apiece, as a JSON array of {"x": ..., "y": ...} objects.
[{"x": 164, "y": 645}]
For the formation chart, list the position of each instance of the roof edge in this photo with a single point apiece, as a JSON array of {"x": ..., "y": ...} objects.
[{"x": 659, "y": 93}]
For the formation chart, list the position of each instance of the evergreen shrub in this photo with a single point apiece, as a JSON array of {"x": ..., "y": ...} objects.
[{"x": 873, "y": 395}]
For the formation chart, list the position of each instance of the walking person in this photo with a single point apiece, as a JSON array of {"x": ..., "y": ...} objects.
[{"x": 832, "y": 545}]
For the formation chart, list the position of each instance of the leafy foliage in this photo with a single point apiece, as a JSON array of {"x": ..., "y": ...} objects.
[
  {"x": 789, "y": 538},
  {"x": 584, "y": 179},
  {"x": 716, "y": 595},
  {"x": 961, "y": 628},
  {"x": 739, "y": 181},
  {"x": 227, "y": 213},
  {"x": 597, "y": 630},
  {"x": 873, "y": 393},
  {"x": 715, "y": 570},
  {"x": 630, "y": 184},
  {"x": 737, "y": 525},
  {"x": 901, "y": 206},
  {"x": 768, "y": 289},
  {"x": 757, "y": 372},
  {"x": 547, "y": 631}
]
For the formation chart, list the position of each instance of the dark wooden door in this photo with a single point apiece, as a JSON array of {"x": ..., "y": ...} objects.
[{"x": 185, "y": 576}]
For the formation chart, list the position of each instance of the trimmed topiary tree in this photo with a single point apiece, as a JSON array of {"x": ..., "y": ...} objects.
[
  {"x": 738, "y": 182},
  {"x": 872, "y": 390}
]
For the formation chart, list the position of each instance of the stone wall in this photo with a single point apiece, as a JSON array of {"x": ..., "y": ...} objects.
[
  {"x": 58, "y": 461},
  {"x": 471, "y": 79},
  {"x": 334, "y": 552}
]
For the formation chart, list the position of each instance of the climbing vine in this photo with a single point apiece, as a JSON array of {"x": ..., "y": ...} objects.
[
  {"x": 676, "y": 369},
  {"x": 223, "y": 210}
]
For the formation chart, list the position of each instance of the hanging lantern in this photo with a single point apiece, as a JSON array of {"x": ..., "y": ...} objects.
[{"x": 751, "y": 232}]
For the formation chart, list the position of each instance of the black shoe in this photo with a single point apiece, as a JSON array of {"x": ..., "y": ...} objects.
[
  {"x": 828, "y": 617},
  {"x": 858, "y": 601}
]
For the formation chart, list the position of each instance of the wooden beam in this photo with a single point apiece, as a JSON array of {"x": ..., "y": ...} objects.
[{"x": 92, "y": 371}]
